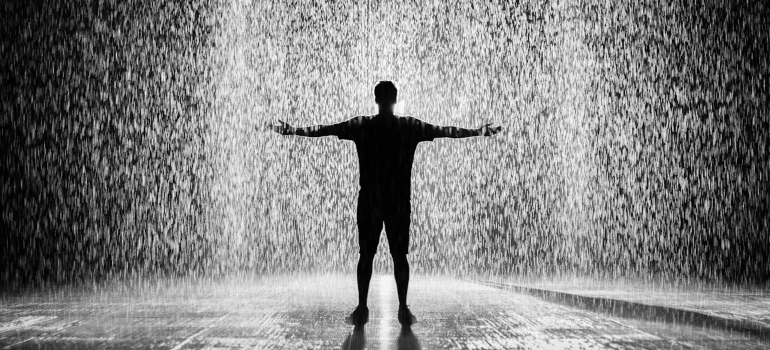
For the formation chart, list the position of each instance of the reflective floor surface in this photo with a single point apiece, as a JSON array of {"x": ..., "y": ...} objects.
[{"x": 308, "y": 313}]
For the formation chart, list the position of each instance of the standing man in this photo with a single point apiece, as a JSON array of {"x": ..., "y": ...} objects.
[{"x": 385, "y": 144}]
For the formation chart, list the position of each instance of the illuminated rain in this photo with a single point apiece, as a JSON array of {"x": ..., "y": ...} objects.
[{"x": 636, "y": 141}]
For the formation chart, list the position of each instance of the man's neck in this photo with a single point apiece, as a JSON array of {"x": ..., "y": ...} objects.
[{"x": 385, "y": 110}]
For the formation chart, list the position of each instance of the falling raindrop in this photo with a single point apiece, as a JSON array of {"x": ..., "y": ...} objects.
[{"x": 635, "y": 143}]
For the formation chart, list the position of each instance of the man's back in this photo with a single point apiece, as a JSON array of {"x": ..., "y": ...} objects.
[{"x": 386, "y": 145}]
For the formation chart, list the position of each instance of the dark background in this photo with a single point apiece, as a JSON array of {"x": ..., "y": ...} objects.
[{"x": 120, "y": 154}]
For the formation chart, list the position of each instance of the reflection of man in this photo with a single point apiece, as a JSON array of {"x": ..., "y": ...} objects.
[{"x": 386, "y": 144}]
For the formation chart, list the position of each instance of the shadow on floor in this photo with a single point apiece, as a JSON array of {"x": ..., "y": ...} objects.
[
  {"x": 356, "y": 340},
  {"x": 407, "y": 340}
]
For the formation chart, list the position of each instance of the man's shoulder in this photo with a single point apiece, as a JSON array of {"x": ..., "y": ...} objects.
[
  {"x": 406, "y": 120},
  {"x": 361, "y": 119},
  {"x": 409, "y": 119}
]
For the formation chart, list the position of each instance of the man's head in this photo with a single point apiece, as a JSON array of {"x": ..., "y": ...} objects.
[{"x": 386, "y": 95}]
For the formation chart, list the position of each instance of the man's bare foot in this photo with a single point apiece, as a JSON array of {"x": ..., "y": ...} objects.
[
  {"x": 405, "y": 316},
  {"x": 359, "y": 316}
]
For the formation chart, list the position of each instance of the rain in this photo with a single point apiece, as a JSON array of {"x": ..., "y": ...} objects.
[{"x": 635, "y": 143}]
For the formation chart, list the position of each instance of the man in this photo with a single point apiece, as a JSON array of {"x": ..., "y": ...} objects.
[{"x": 385, "y": 144}]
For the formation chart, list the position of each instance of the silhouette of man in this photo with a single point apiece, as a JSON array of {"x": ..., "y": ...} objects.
[{"x": 385, "y": 144}]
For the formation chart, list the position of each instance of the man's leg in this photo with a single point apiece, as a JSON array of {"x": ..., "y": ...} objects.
[
  {"x": 364, "y": 275},
  {"x": 397, "y": 227},
  {"x": 401, "y": 270},
  {"x": 369, "y": 228}
]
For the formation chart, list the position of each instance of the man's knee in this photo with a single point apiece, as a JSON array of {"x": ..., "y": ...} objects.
[
  {"x": 399, "y": 259},
  {"x": 366, "y": 256}
]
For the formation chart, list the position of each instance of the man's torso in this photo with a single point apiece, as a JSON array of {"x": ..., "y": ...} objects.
[{"x": 386, "y": 147}]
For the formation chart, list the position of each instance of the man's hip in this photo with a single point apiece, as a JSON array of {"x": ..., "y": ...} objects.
[{"x": 376, "y": 211}]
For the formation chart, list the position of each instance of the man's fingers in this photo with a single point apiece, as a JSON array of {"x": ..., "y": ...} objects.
[
  {"x": 264, "y": 126},
  {"x": 275, "y": 128},
  {"x": 491, "y": 130},
  {"x": 269, "y": 127}
]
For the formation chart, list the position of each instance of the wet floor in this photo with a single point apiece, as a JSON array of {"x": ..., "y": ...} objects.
[{"x": 308, "y": 313}]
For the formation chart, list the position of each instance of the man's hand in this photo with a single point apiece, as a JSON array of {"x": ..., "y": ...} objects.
[
  {"x": 282, "y": 128},
  {"x": 488, "y": 130}
]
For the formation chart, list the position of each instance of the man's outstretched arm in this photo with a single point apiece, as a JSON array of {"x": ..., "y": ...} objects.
[
  {"x": 435, "y": 131},
  {"x": 311, "y": 131}
]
